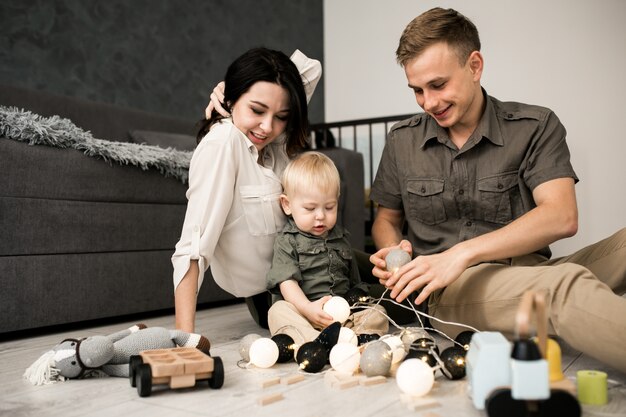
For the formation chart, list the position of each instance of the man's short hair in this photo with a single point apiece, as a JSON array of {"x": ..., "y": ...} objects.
[{"x": 434, "y": 26}]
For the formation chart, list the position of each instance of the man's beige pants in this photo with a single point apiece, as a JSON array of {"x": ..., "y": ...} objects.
[{"x": 583, "y": 292}]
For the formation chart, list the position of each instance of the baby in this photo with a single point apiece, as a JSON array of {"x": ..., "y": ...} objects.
[{"x": 313, "y": 259}]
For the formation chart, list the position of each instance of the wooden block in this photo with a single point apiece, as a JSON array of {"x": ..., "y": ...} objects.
[
  {"x": 269, "y": 382},
  {"x": 431, "y": 414},
  {"x": 420, "y": 404},
  {"x": 269, "y": 399},
  {"x": 292, "y": 379},
  {"x": 346, "y": 383},
  {"x": 373, "y": 380}
]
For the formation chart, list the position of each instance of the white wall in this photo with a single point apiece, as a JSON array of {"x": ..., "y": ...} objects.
[{"x": 569, "y": 55}]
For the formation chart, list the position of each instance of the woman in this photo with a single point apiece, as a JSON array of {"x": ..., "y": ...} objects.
[{"x": 233, "y": 213}]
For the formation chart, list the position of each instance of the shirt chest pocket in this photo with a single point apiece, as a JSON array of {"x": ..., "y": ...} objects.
[
  {"x": 500, "y": 198},
  {"x": 425, "y": 197},
  {"x": 261, "y": 208}
]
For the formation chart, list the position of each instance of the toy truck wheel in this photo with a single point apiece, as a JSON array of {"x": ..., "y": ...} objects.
[
  {"x": 135, "y": 361},
  {"x": 217, "y": 379},
  {"x": 143, "y": 380}
]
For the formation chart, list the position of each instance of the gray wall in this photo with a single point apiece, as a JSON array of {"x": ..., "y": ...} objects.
[{"x": 162, "y": 56}]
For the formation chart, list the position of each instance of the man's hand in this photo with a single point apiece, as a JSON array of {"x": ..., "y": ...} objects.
[
  {"x": 428, "y": 273},
  {"x": 217, "y": 100},
  {"x": 314, "y": 312},
  {"x": 380, "y": 266}
]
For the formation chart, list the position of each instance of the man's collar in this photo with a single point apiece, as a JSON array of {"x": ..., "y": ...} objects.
[{"x": 488, "y": 127}]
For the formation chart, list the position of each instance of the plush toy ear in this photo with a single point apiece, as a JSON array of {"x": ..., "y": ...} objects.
[{"x": 42, "y": 371}]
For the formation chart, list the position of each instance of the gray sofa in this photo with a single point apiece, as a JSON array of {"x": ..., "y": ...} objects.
[{"x": 82, "y": 239}]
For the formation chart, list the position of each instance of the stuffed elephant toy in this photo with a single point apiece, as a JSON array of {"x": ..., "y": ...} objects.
[{"x": 79, "y": 358}]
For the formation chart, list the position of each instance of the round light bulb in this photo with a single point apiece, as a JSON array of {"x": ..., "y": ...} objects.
[
  {"x": 396, "y": 258},
  {"x": 263, "y": 352},
  {"x": 415, "y": 377},
  {"x": 338, "y": 308},
  {"x": 410, "y": 334},
  {"x": 376, "y": 359},
  {"x": 397, "y": 347},
  {"x": 244, "y": 345},
  {"x": 347, "y": 335},
  {"x": 345, "y": 358}
]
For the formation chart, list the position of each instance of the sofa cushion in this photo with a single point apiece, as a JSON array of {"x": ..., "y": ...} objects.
[{"x": 163, "y": 139}]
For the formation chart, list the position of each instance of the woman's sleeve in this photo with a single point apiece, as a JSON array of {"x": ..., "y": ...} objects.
[
  {"x": 284, "y": 264},
  {"x": 310, "y": 71},
  {"x": 210, "y": 195}
]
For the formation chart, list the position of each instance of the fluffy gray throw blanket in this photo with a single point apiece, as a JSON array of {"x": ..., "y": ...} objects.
[{"x": 25, "y": 126}]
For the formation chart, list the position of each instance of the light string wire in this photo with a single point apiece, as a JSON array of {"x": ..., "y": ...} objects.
[
  {"x": 417, "y": 314},
  {"x": 373, "y": 307}
]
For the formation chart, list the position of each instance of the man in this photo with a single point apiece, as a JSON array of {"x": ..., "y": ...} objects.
[{"x": 484, "y": 187}]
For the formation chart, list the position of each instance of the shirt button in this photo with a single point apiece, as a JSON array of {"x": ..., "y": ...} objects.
[
  {"x": 461, "y": 192},
  {"x": 422, "y": 190},
  {"x": 500, "y": 186},
  {"x": 468, "y": 223}
]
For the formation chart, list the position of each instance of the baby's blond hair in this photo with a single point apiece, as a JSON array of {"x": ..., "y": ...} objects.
[{"x": 311, "y": 169}]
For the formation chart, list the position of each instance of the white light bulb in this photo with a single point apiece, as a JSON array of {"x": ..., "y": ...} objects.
[
  {"x": 345, "y": 358},
  {"x": 397, "y": 347},
  {"x": 263, "y": 352},
  {"x": 347, "y": 335},
  {"x": 415, "y": 377},
  {"x": 338, "y": 308}
]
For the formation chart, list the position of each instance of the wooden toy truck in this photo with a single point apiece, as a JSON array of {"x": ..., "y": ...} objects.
[{"x": 179, "y": 367}]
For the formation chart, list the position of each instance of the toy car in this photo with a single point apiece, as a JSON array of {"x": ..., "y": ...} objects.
[{"x": 179, "y": 367}]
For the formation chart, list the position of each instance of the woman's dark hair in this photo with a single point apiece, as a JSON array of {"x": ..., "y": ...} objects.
[{"x": 262, "y": 64}]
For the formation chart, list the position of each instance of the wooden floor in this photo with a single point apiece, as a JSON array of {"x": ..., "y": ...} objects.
[{"x": 225, "y": 326}]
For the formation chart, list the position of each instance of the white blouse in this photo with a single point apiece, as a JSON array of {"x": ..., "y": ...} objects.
[{"x": 233, "y": 211}]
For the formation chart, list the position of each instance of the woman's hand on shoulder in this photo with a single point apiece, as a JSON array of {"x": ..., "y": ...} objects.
[{"x": 216, "y": 102}]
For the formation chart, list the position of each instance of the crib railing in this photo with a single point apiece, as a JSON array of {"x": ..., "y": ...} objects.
[{"x": 366, "y": 136}]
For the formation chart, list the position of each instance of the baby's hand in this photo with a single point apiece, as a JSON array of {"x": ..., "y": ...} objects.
[{"x": 315, "y": 314}]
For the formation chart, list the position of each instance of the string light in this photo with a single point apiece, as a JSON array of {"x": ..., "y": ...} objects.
[
  {"x": 286, "y": 347},
  {"x": 244, "y": 346},
  {"x": 263, "y": 352},
  {"x": 347, "y": 335},
  {"x": 311, "y": 357},
  {"x": 344, "y": 358},
  {"x": 376, "y": 357},
  {"x": 415, "y": 377},
  {"x": 338, "y": 308},
  {"x": 395, "y": 259}
]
